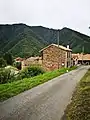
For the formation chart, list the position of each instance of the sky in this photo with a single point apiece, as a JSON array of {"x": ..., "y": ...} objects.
[{"x": 74, "y": 14}]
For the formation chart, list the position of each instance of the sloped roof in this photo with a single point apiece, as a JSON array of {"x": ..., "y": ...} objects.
[
  {"x": 84, "y": 57},
  {"x": 32, "y": 58},
  {"x": 60, "y": 46},
  {"x": 75, "y": 55},
  {"x": 81, "y": 56},
  {"x": 19, "y": 59}
]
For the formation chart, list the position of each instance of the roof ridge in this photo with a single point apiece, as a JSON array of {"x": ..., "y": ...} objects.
[{"x": 60, "y": 46}]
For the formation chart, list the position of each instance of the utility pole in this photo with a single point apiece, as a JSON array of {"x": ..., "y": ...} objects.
[
  {"x": 82, "y": 53},
  {"x": 58, "y": 47},
  {"x": 83, "y": 49}
]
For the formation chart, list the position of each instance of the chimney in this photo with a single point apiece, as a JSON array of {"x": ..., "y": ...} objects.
[{"x": 68, "y": 46}]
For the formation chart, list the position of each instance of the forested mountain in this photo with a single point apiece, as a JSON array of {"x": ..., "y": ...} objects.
[
  {"x": 22, "y": 40},
  {"x": 19, "y": 40},
  {"x": 76, "y": 40}
]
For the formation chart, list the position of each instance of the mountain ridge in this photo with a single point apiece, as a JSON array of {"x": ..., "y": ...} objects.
[{"x": 24, "y": 40}]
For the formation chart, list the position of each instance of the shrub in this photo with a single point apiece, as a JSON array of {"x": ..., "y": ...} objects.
[
  {"x": 5, "y": 75},
  {"x": 2, "y": 63},
  {"x": 17, "y": 65},
  {"x": 30, "y": 72}
]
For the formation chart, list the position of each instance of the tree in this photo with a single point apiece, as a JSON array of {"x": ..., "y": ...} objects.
[
  {"x": 2, "y": 63},
  {"x": 9, "y": 59}
]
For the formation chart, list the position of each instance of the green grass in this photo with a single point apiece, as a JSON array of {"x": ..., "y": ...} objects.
[
  {"x": 11, "y": 89},
  {"x": 79, "y": 108}
]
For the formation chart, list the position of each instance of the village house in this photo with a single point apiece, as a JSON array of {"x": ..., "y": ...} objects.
[
  {"x": 81, "y": 58},
  {"x": 31, "y": 61},
  {"x": 54, "y": 57}
]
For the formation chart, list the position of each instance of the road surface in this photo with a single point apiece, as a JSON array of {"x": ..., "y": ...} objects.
[{"x": 44, "y": 102}]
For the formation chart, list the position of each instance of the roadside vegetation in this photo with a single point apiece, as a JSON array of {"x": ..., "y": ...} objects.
[
  {"x": 79, "y": 108},
  {"x": 10, "y": 73},
  {"x": 30, "y": 71},
  {"x": 11, "y": 89},
  {"x": 2, "y": 63},
  {"x": 5, "y": 75}
]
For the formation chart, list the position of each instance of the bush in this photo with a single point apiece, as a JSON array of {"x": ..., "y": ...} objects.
[
  {"x": 5, "y": 75},
  {"x": 2, "y": 63},
  {"x": 30, "y": 72},
  {"x": 17, "y": 65}
]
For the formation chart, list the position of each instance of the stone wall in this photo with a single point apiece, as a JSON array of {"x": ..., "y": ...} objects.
[{"x": 51, "y": 56}]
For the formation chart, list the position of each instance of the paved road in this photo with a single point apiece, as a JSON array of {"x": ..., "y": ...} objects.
[{"x": 45, "y": 102}]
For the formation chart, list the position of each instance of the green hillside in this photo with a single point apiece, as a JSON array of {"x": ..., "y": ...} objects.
[
  {"x": 22, "y": 40},
  {"x": 19, "y": 40},
  {"x": 67, "y": 36}
]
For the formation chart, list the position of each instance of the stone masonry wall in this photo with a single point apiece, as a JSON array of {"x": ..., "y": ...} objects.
[{"x": 51, "y": 56}]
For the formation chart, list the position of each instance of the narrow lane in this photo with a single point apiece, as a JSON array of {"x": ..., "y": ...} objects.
[{"x": 44, "y": 102}]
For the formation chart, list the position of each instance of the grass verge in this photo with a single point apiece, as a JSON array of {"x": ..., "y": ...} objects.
[
  {"x": 11, "y": 89},
  {"x": 79, "y": 108}
]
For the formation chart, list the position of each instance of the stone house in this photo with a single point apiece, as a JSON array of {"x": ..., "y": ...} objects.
[
  {"x": 81, "y": 58},
  {"x": 54, "y": 57},
  {"x": 31, "y": 61},
  {"x": 75, "y": 58}
]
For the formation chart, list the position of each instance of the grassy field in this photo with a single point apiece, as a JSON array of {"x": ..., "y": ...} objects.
[
  {"x": 11, "y": 89},
  {"x": 79, "y": 108}
]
